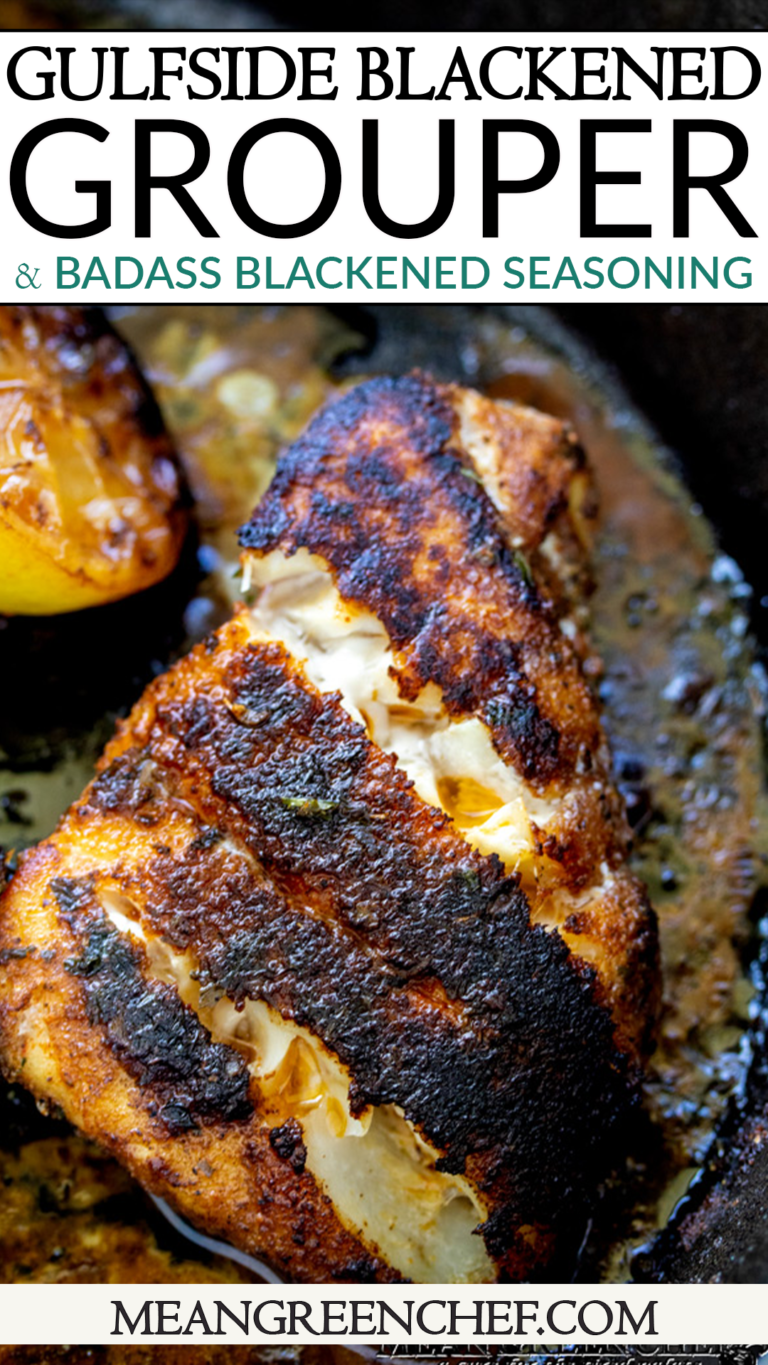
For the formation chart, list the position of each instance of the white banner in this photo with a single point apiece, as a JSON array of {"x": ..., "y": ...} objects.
[
  {"x": 287, "y": 167},
  {"x": 367, "y": 1315}
]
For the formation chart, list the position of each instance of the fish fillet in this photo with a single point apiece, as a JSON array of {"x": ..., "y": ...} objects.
[{"x": 338, "y": 952}]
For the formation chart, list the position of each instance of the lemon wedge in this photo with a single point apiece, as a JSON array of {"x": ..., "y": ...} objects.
[{"x": 90, "y": 491}]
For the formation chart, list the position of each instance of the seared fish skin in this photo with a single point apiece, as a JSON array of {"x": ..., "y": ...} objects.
[{"x": 292, "y": 994}]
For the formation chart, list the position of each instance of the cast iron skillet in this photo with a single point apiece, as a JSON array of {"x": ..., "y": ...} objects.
[
  {"x": 700, "y": 375},
  {"x": 700, "y": 372}
]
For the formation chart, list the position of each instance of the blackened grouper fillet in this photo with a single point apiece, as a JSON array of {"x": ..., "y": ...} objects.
[{"x": 339, "y": 952}]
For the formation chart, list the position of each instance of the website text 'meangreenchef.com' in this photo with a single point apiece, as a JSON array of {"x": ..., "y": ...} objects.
[{"x": 293, "y": 1319}]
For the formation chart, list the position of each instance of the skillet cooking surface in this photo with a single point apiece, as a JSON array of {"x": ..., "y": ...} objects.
[{"x": 680, "y": 689}]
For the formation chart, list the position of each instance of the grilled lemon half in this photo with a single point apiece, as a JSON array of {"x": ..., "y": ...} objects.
[{"x": 90, "y": 491}]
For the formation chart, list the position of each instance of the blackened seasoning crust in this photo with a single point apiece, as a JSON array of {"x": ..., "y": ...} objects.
[
  {"x": 404, "y": 911},
  {"x": 287, "y": 1142},
  {"x": 379, "y": 487},
  {"x": 155, "y": 1037},
  {"x": 377, "y": 927}
]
